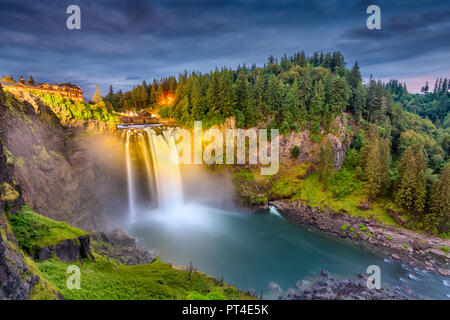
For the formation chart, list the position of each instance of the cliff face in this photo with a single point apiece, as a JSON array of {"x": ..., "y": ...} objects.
[
  {"x": 15, "y": 277},
  {"x": 309, "y": 150},
  {"x": 47, "y": 166}
]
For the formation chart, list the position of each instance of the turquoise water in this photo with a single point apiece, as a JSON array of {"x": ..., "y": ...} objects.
[{"x": 251, "y": 250}]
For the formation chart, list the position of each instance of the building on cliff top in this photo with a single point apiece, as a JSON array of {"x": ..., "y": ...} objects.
[{"x": 66, "y": 90}]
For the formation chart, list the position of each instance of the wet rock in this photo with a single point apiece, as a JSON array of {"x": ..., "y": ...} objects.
[
  {"x": 346, "y": 290},
  {"x": 363, "y": 276},
  {"x": 119, "y": 246},
  {"x": 421, "y": 244},
  {"x": 302, "y": 283},
  {"x": 274, "y": 286},
  {"x": 444, "y": 272},
  {"x": 324, "y": 273}
]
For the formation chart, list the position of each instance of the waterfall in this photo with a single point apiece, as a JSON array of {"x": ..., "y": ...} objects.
[
  {"x": 130, "y": 179},
  {"x": 167, "y": 171},
  {"x": 162, "y": 172},
  {"x": 148, "y": 167}
]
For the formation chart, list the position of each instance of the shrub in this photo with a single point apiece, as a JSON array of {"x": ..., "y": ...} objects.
[
  {"x": 295, "y": 152},
  {"x": 445, "y": 249},
  {"x": 342, "y": 183}
]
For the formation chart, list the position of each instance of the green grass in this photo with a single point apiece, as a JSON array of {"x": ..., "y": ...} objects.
[
  {"x": 106, "y": 280},
  {"x": 103, "y": 278},
  {"x": 287, "y": 184},
  {"x": 445, "y": 249},
  {"x": 34, "y": 231},
  {"x": 313, "y": 192}
]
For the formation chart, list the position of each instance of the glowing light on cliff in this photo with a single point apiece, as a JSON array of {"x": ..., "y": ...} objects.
[{"x": 167, "y": 99}]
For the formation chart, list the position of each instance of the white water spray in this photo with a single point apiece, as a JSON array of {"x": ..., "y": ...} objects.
[
  {"x": 160, "y": 157},
  {"x": 130, "y": 179}
]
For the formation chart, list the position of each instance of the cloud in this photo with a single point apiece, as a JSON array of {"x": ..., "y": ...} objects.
[{"x": 122, "y": 43}]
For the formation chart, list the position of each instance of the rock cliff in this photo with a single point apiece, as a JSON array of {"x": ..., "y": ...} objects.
[{"x": 56, "y": 174}]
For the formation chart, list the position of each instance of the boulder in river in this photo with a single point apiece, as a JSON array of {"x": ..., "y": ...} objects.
[{"x": 274, "y": 286}]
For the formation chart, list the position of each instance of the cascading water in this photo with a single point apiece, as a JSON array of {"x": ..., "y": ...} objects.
[
  {"x": 160, "y": 157},
  {"x": 130, "y": 178},
  {"x": 148, "y": 166}
]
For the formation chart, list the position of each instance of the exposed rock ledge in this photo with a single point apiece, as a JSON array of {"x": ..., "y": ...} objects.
[
  {"x": 67, "y": 250},
  {"x": 121, "y": 247},
  {"x": 418, "y": 250}
]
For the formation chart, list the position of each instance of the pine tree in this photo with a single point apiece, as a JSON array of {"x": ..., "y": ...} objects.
[
  {"x": 376, "y": 160},
  {"x": 159, "y": 93},
  {"x": 304, "y": 94},
  {"x": 338, "y": 95},
  {"x": 438, "y": 218},
  {"x": 31, "y": 80},
  {"x": 274, "y": 94},
  {"x": 212, "y": 97},
  {"x": 327, "y": 168},
  {"x": 250, "y": 111},
  {"x": 241, "y": 91},
  {"x": 260, "y": 91},
  {"x": 143, "y": 95},
  {"x": 226, "y": 97},
  {"x": 97, "y": 99},
  {"x": 196, "y": 101},
  {"x": 317, "y": 102},
  {"x": 411, "y": 192}
]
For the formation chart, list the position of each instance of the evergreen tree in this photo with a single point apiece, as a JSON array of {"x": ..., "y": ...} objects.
[
  {"x": 338, "y": 96},
  {"x": 327, "y": 168},
  {"x": 196, "y": 101},
  {"x": 304, "y": 88},
  {"x": 410, "y": 193},
  {"x": 143, "y": 95},
  {"x": 226, "y": 97},
  {"x": 97, "y": 99},
  {"x": 159, "y": 93},
  {"x": 317, "y": 102},
  {"x": 438, "y": 218},
  {"x": 31, "y": 80}
]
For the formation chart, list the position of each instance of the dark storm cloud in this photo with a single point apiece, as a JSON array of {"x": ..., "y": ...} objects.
[{"x": 124, "y": 42}]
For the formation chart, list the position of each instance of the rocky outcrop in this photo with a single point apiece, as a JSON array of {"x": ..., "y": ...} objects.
[
  {"x": 67, "y": 250},
  {"x": 121, "y": 247},
  {"x": 16, "y": 278},
  {"x": 416, "y": 249},
  {"x": 42, "y": 153},
  {"x": 309, "y": 149}
]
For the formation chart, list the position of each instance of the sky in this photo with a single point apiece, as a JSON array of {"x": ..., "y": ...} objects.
[{"x": 122, "y": 43}]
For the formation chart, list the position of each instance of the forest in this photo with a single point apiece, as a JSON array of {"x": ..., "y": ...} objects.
[{"x": 400, "y": 149}]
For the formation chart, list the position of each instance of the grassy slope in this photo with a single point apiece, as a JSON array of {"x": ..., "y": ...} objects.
[
  {"x": 35, "y": 231},
  {"x": 293, "y": 183},
  {"x": 104, "y": 278}
]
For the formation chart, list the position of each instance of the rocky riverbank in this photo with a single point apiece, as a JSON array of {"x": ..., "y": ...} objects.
[
  {"x": 344, "y": 290},
  {"x": 422, "y": 251}
]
